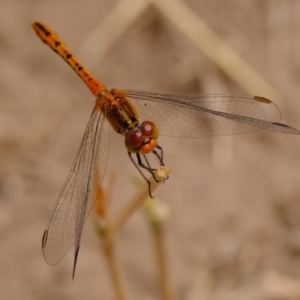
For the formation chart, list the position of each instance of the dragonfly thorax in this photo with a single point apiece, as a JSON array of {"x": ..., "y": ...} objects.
[
  {"x": 124, "y": 118},
  {"x": 118, "y": 110}
]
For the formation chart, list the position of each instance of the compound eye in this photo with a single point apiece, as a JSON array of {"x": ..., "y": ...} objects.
[
  {"x": 133, "y": 140},
  {"x": 149, "y": 129}
]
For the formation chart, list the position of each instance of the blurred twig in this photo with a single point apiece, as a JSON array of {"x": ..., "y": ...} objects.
[
  {"x": 157, "y": 214},
  {"x": 117, "y": 21},
  {"x": 109, "y": 251},
  {"x": 127, "y": 11},
  {"x": 107, "y": 227},
  {"x": 137, "y": 201},
  {"x": 108, "y": 240}
]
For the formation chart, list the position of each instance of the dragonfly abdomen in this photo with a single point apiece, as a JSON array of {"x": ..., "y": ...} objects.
[{"x": 50, "y": 38}]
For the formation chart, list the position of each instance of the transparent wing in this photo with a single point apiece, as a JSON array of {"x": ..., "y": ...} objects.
[
  {"x": 195, "y": 116},
  {"x": 79, "y": 192}
]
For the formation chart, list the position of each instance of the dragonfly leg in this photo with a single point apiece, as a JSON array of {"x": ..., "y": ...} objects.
[
  {"x": 142, "y": 165},
  {"x": 143, "y": 175},
  {"x": 142, "y": 162},
  {"x": 148, "y": 168},
  {"x": 160, "y": 155}
]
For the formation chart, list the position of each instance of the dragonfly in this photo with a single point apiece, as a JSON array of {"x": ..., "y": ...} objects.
[{"x": 139, "y": 116}]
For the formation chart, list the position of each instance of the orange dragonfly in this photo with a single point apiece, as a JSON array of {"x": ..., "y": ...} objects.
[{"x": 139, "y": 116}]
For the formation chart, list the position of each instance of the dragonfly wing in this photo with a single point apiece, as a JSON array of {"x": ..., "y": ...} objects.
[
  {"x": 197, "y": 116},
  {"x": 79, "y": 192}
]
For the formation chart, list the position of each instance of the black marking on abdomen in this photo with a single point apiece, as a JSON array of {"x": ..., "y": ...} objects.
[{"x": 47, "y": 33}]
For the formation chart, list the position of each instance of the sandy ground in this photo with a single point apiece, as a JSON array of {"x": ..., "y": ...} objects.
[{"x": 233, "y": 230}]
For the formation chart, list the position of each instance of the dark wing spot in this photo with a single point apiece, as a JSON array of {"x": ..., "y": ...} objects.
[
  {"x": 68, "y": 56},
  {"x": 79, "y": 68},
  {"x": 45, "y": 239},
  {"x": 57, "y": 44},
  {"x": 262, "y": 99},
  {"x": 280, "y": 124}
]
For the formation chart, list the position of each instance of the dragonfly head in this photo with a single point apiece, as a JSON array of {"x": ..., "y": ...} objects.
[{"x": 142, "y": 139}]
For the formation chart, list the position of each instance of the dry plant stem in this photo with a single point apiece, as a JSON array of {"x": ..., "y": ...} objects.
[
  {"x": 156, "y": 220},
  {"x": 163, "y": 271},
  {"x": 120, "y": 289},
  {"x": 108, "y": 241},
  {"x": 108, "y": 229},
  {"x": 133, "y": 205},
  {"x": 215, "y": 48}
]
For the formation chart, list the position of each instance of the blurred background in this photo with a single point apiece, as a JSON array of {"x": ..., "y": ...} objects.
[{"x": 233, "y": 230}]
